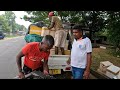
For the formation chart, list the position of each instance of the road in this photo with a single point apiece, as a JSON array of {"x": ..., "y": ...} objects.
[{"x": 9, "y": 48}]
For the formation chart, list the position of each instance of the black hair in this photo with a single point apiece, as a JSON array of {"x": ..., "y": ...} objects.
[
  {"x": 49, "y": 39},
  {"x": 78, "y": 27}
]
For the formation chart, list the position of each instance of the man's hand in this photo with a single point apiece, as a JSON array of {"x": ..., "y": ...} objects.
[
  {"x": 21, "y": 75},
  {"x": 86, "y": 74},
  {"x": 68, "y": 61},
  {"x": 48, "y": 28},
  {"x": 45, "y": 72}
]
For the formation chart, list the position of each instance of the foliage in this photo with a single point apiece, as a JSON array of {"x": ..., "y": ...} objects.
[
  {"x": 8, "y": 23},
  {"x": 4, "y": 24},
  {"x": 94, "y": 20},
  {"x": 37, "y": 16},
  {"x": 114, "y": 28}
]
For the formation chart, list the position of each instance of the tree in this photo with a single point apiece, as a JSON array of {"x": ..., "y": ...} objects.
[
  {"x": 4, "y": 24},
  {"x": 8, "y": 23},
  {"x": 37, "y": 16},
  {"x": 113, "y": 27},
  {"x": 94, "y": 20},
  {"x": 10, "y": 17}
]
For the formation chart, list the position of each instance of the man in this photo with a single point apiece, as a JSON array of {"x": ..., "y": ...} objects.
[
  {"x": 60, "y": 34},
  {"x": 80, "y": 54},
  {"x": 34, "y": 52}
]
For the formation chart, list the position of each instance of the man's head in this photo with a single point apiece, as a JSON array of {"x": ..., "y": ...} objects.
[
  {"x": 77, "y": 31},
  {"x": 50, "y": 15},
  {"x": 47, "y": 43}
]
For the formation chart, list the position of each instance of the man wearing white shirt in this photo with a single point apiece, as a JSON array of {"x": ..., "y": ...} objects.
[{"x": 80, "y": 54}]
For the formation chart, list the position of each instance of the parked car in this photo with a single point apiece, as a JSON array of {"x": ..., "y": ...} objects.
[{"x": 2, "y": 36}]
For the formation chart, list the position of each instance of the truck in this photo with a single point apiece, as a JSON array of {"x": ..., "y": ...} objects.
[{"x": 57, "y": 63}]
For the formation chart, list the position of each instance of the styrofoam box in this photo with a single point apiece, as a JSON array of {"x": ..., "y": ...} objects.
[
  {"x": 102, "y": 47},
  {"x": 112, "y": 71},
  {"x": 104, "y": 65},
  {"x": 45, "y": 31},
  {"x": 58, "y": 59},
  {"x": 118, "y": 75}
]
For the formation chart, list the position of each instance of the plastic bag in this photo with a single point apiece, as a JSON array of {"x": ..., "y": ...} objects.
[{"x": 33, "y": 38}]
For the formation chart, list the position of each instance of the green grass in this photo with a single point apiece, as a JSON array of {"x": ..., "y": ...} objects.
[
  {"x": 99, "y": 55},
  {"x": 11, "y": 36}
]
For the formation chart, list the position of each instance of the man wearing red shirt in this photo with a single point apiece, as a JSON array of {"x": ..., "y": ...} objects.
[{"x": 34, "y": 53}]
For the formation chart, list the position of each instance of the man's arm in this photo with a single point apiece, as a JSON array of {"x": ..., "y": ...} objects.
[
  {"x": 87, "y": 70},
  {"x": 69, "y": 61},
  {"x": 89, "y": 56},
  {"x": 18, "y": 60},
  {"x": 52, "y": 25},
  {"x": 45, "y": 67},
  {"x": 19, "y": 64}
]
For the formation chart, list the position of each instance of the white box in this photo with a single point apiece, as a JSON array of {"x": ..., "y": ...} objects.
[
  {"x": 118, "y": 75},
  {"x": 45, "y": 31},
  {"x": 112, "y": 71},
  {"x": 58, "y": 59},
  {"x": 104, "y": 65},
  {"x": 103, "y": 47}
]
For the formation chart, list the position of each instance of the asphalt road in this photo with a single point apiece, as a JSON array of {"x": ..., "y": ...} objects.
[{"x": 9, "y": 48}]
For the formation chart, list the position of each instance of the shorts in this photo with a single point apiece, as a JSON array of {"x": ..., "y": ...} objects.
[
  {"x": 60, "y": 38},
  {"x": 27, "y": 70}
]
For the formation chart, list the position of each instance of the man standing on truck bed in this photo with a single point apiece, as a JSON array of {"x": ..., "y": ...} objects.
[
  {"x": 80, "y": 54},
  {"x": 60, "y": 34}
]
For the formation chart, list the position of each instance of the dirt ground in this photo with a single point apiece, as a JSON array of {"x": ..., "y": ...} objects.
[{"x": 99, "y": 55}]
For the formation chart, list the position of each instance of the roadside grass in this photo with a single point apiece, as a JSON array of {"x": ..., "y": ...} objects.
[
  {"x": 99, "y": 55},
  {"x": 10, "y": 36}
]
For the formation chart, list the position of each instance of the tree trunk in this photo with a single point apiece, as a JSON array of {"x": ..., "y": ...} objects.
[{"x": 90, "y": 35}]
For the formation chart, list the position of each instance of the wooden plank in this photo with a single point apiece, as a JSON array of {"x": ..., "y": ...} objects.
[{"x": 98, "y": 75}]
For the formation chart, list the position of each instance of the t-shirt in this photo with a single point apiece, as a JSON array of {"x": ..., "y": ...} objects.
[
  {"x": 79, "y": 51},
  {"x": 33, "y": 55},
  {"x": 57, "y": 21}
]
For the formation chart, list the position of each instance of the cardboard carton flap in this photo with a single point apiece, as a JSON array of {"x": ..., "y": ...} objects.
[
  {"x": 113, "y": 69},
  {"x": 106, "y": 63}
]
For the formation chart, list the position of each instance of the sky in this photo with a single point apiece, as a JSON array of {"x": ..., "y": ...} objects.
[{"x": 20, "y": 14}]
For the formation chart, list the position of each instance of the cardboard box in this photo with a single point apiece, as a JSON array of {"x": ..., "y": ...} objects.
[
  {"x": 103, "y": 47},
  {"x": 52, "y": 52},
  {"x": 45, "y": 31},
  {"x": 104, "y": 65},
  {"x": 112, "y": 71},
  {"x": 118, "y": 75},
  {"x": 67, "y": 52}
]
